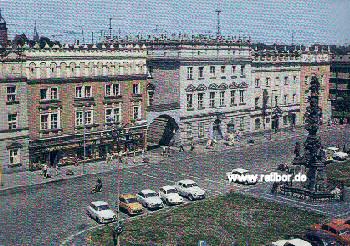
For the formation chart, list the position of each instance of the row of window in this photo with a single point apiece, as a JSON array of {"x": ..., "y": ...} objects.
[
  {"x": 268, "y": 81},
  {"x": 213, "y": 71},
  {"x": 51, "y": 121},
  {"x": 258, "y": 102},
  {"x": 257, "y": 122},
  {"x": 89, "y": 69},
  {"x": 212, "y": 99}
]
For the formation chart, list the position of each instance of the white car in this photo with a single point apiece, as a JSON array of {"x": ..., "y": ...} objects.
[
  {"x": 242, "y": 176},
  {"x": 336, "y": 154},
  {"x": 188, "y": 188},
  {"x": 149, "y": 199},
  {"x": 170, "y": 195},
  {"x": 101, "y": 212},
  {"x": 291, "y": 242}
]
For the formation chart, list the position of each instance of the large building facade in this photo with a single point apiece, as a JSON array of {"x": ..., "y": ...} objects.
[
  {"x": 14, "y": 131},
  {"x": 79, "y": 97},
  {"x": 340, "y": 87}
]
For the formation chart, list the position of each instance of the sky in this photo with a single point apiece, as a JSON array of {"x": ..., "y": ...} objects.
[{"x": 311, "y": 21}]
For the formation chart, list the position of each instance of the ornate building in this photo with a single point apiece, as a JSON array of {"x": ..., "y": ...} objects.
[
  {"x": 276, "y": 86},
  {"x": 3, "y": 32},
  {"x": 80, "y": 98},
  {"x": 14, "y": 134}
]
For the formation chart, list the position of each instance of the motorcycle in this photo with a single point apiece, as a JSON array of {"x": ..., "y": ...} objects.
[{"x": 96, "y": 189}]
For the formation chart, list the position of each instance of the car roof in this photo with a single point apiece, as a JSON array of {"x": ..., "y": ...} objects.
[
  {"x": 240, "y": 170},
  {"x": 147, "y": 191},
  {"x": 168, "y": 187},
  {"x": 333, "y": 148},
  {"x": 187, "y": 181},
  {"x": 127, "y": 196},
  {"x": 299, "y": 242},
  {"x": 99, "y": 203}
]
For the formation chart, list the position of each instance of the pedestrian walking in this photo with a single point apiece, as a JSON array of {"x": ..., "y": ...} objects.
[
  {"x": 164, "y": 150},
  {"x": 44, "y": 169},
  {"x": 57, "y": 170},
  {"x": 192, "y": 145}
]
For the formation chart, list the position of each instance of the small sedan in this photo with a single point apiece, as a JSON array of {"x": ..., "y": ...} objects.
[
  {"x": 321, "y": 238},
  {"x": 170, "y": 196},
  {"x": 241, "y": 176},
  {"x": 129, "y": 203},
  {"x": 188, "y": 188},
  {"x": 150, "y": 199},
  {"x": 101, "y": 212}
]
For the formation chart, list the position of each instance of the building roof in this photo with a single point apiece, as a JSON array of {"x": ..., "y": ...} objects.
[{"x": 2, "y": 20}]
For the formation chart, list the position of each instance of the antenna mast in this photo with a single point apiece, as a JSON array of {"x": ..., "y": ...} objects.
[
  {"x": 110, "y": 28},
  {"x": 292, "y": 37},
  {"x": 218, "y": 11}
]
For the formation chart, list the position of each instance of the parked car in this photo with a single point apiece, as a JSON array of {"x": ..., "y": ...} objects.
[
  {"x": 188, "y": 188},
  {"x": 170, "y": 195},
  {"x": 336, "y": 229},
  {"x": 150, "y": 199},
  {"x": 320, "y": 238},
  {"x": 291, "y": 242},
  {"x": 336, "y": 154},
  {"x": 129, "y": 203},
  {"x": 243, "y": 176},
  {"x": 101, "y": 212}
]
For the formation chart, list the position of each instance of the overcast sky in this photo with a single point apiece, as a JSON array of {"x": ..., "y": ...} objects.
[{"x": 323, "y": 21}]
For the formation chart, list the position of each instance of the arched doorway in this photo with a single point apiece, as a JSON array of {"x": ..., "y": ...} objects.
[{"x": 161, "y": 131}]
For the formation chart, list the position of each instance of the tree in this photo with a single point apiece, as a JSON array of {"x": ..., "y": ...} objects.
[{"x": 20, "y": 40}]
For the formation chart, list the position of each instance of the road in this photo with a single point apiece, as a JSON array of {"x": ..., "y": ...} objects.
[{"x": 48, "y": 215}]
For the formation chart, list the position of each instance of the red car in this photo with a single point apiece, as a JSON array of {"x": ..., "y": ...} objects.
[{"x": 337, "y": 229}]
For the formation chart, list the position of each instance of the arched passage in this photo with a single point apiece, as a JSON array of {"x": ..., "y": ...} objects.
[{"x": 161, "y": 131}]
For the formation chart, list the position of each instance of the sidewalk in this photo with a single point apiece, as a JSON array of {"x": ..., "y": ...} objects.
[{"x": 28, "y": 178}]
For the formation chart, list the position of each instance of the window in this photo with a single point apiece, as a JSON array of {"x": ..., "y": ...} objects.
[
  {"x": 190, "y": 73},
  {"x": 150, "y": 98},
  {"x": 112, "y": 115},
  {"x": 294, "y": 98},
  {"x": 294, "y": 79},
  {"x": 278, "y": 81},
  {"x": 285, "y": 120},
  {"x": 212, "y": 70},
  {"x": 276, "y": 101},
  {"x": 112, "y": 90},
  {"x": 285, "y": 98},
  {"x": 14, "y": 156},
  {"x": 201, "y": 129},
  {"x": 232, "y": 99},
  {"x": 189, "y": 101},
  {"x": 79, "y": 118},
  {"x": 54, "y": 121},
  {"x": 189, "y": 131},
  {"x": 306, "y": 81},
  {"x": 44, "y": 94},
  {"x": 201, "y": 72},
  {"x": 242, "y": 70},
  {"x": 212, "y": 100},
  {"x": 44, "y": 121},
  {"x": 87, "y": 91},
  {"x": 222, "y": 98},
  {"x": 12, "y": 121},
  {"x": 223, "y": 68},
  {"x": 54, "y": 93},
  {"x": 233, "y": 69},
  {"x": 88, "y": 117},
  {"x": 257, "y": 82},
  {"x": 136, "y": 113},
  {"x": 267, "y": 81},
  {"x": 256, "y": 102},
  {"x": 200, "y": 100},
  {"x": 257, "y": 124},
  {"x": 150, "y": 71},
  {"x": 135, "y": 89},
  {"x": 78, "y": 92},
  {"x": 241, "y": 96},
  {"x": 11, "y": 93},
  {"x": 286, "y": 80}
]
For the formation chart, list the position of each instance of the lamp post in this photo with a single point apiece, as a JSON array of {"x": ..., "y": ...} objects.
[{"x": 84, "y": 122}]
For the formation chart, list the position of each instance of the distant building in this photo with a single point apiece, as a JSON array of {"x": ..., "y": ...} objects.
[
  {"x": 3, "y": 32},
  {"x": 340, "y": 87},
  {"x": 35, "y": 34}
]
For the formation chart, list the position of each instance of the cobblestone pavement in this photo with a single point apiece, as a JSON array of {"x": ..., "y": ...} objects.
[{"x": 48, "y": 214}]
